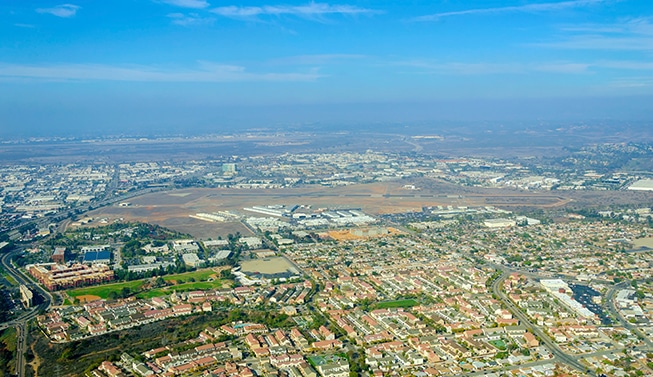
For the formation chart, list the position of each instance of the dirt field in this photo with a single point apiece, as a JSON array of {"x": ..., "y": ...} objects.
[
  {"x": 275, "y": 265},
  {"x": 88, "y": 298},
  {"x": 643, "y": 242}
]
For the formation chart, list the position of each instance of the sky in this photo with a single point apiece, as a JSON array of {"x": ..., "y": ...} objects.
[{"x": 208, "y": 65}]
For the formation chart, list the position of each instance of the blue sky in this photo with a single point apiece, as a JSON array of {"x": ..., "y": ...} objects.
[{"x": 141, "y": 63}]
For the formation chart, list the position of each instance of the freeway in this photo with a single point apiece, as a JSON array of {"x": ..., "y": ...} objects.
[
  {"x": 21, "y": 348},
  {"x": 22, "y": 323},
  {"x": 553, "y": 348}
]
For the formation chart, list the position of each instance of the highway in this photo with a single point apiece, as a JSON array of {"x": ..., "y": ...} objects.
[{"x": 22, "y": 323}]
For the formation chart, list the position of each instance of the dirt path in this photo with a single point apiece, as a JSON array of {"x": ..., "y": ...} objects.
[{"x": 36, "y": 363}]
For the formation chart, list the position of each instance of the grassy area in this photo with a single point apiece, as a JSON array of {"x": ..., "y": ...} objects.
[
  {"x": 8, "y": 338},
  {"x": 8, "y": 352},
  {"x": 10, "y": 279},
  {"x": 499, "y": 344},
  {"x": 321, "y": 360},
  {"x": 396, "y": 304},
  {"x": 185, "y": 287},
  {"x": 178, "y": 282},
  {"x": 199, "y": 275},
  {"x": 103, "y": 291}
]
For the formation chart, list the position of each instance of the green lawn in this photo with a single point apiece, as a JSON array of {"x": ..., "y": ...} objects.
[
  {"x": 201, "y": 282},
  {"x": 185, "y": 287},
  {"x": 499, "y": 344},
  {"x": 199, "y": 275},
  {"x": 396, "y": 304},
  {"x": 10, "y": 279},
  {"x": 103, "y": 291}
]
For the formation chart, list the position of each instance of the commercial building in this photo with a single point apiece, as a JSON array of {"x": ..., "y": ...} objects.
[
  {"x": 26, "y": 296},
  {"x": 192, "y": 260},
  {"x": 642, "y": 185},
  {"x": 499, "y": 223},
  {"x": 55, "y": 276},
  {"x": 96, "y": 248},
  {"x": 95, "y": 257},
  {"x": 59, "y": 255}
]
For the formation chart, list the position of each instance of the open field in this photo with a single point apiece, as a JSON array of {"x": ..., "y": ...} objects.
[
  {"x": 643, "y": 242},
  {"x": 102, "y": 291},
  {"x": 202, "y": 279},
  {"x": 199, "y": 275},
  {"x": 396, "y": 304},
  {"x": 274, "y": 265},
  {"x": 185, "y": 287}
]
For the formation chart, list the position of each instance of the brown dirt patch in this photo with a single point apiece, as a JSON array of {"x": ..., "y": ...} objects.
[{"x": 88, "y": 298}]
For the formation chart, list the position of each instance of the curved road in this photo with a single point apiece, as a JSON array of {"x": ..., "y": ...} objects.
[
  {"x": 555, "y": 350},
  {"x": 609, "y": 298}
]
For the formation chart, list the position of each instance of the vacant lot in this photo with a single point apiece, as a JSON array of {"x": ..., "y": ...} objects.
[
  {"x": 275, "y": 265},
  {"x": 643, "y": 242}
]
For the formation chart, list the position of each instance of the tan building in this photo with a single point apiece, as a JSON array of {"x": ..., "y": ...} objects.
[{"x": 55, "y": 276}]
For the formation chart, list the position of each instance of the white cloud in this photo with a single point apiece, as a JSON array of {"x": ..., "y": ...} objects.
[
  {"x": 206, "y": 72},
  {"x": 526, "y": 8},
  {"x": 626, "y": 65},
  {"x": 195, "y": 4},
  {"x": 628, "y": 35},
  {"x": 63, "y": 10},
  {"x": 557, "y": 67},
  {"x": 632, "y": 82},
  {"x": 569, "y": 68},
  {"x": 192, "y": 19},
  {"x": 598, "y": 42},
  {"x": 461, "y": 68},
  {"x": 317, "y": 59},
  {"x": 307, "y": 11}
]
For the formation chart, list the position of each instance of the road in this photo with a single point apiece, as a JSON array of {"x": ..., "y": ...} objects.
[
  {"x": 559, "y": 355},
  {"x": 22, "y": 323},
  {"x": 609, "y": 299}
]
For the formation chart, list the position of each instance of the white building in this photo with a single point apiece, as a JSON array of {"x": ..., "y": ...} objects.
[
  {"x": 499, "y": 223},
  {"x": 192, "y": 260}
]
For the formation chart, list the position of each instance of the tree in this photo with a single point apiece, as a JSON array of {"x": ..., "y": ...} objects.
[{"x": 159, "y": 282}]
